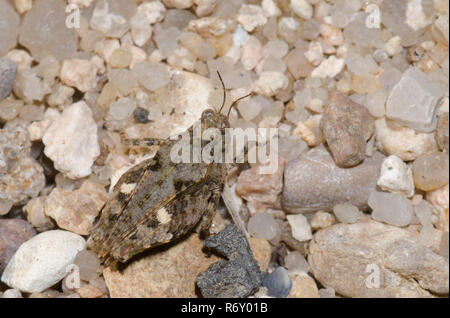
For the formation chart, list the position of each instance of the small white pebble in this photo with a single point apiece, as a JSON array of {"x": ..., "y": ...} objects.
[
  {"x": 315, "y": 53},
  {"x": 329, "y": 67},
  {"x": 251, "y": 16},
  {"x": 393, "y": 46},
  {"x": 270, "y": 83},
  {"x": 302, "y": 8},
  {"x": 270, "y": 8},
  {"x": 12, "y": 293},
  {"x": 301, "y": 230}
]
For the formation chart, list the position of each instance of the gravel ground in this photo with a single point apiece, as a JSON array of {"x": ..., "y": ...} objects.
[{"x": 357, "y": 205}]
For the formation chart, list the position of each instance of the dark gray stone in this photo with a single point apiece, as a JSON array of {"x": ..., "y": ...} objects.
[
  {"x": 141, "y": 115},
  {"x": 237, "y": 276}
]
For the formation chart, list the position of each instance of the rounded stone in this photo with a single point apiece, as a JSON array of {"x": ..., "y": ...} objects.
[
  {"x": 278, "y": 283},
  {"x": 41, "y": 262}
]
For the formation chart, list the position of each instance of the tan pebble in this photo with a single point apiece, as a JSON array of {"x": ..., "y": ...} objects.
[{"x": 89, "y": 291}]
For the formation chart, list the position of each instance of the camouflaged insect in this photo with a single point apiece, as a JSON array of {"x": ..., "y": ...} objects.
[{"x": 158, "y": 201}]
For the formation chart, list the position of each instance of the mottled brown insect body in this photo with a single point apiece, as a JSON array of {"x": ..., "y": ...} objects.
[{"x": 158, "y": 201}]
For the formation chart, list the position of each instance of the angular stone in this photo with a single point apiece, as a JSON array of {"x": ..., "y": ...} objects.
[
  {"x": 301, "y": 230},
  {"x": 391, "y": 208},
  {"x": 347, "y": 258},
  {"x": 76, "y": 211},
  {"x": 237, "y": 276},
  {"x": 413, "y": 101},
  {"x": 396, "y": 176},
  {"x": 71, "y": 141},
  {"x": 313, "y": 182},
  {"x": 170, "y": 271},
  {"x": 346, "y": 126}
]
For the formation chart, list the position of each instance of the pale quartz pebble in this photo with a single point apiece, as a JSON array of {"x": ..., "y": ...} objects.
[
  {"x": 310, "y": 131},
  {"x": 197, "y": 46},
  {"x": 71, "y": 141},
  {"x": 120, "y": 58},
  {"x": 315, "y": 53},
  {"x": 123, "y": 79},
  {"x": 81, "y": 74},
  {"x": 166, "y": 40},
  {"x": 301, "y": 230},
  {"x": 251, "y": 16},
  {"x": 322, "y": 220},
  {"x": 31, "y": 112},
  {"x": 296, "y": 263},
  {"x": 430, "y": 237},
  {"x": 441, "y": 27},
  {"x": 9, "y": 109},
  {"x": 263, "y": 225},
  {"x": 22, "y": 59},
  {"x": 391, "y": 208},
  {"x": 61, "y": 96},
  {"x": 270, "y": 8},
  {"x": 41, "y": 262},
  {"x": 9, "y": 27},
  {"x": 76, "y": 211},
  {"x": 424, "y": 211},
  {"x": 375, "y": 103},
  {"x": 141, "y": 30},
  {"x": 49, "y": 69},
  {"x": 403, "y": 142},
  {"x": 288, "y": 29},
  {"x": 37, "y": 129},
  {"x": 251, "y": 53},
  {"x": 122, "y": 108},
  {"x": 138, "y": 55},
  {"x": 153, "y": 11},
  {"x": 30, "y": 86},
  {"x": 297, "y": 63},
  {"x": 315, "y": 105},
  {"x": 181, "y": 58},
  {"x": 12, "y": 293},
  {"x": 34, "y": 210},
  {"x": 431, "y": 171},
  {"x": 271, "y": 83},
  {"x": 321, "y": 10},
  {"x": 329, "y": 67},
  {"x": 347, "y": 213},
  {"x": 178, "y": 4},
  {"x": 88, "y": 264},
  {"x": 205, "y": 7},
  {"x": 249, "y": 108},
  {"x": 302, "y": 8},
  {"x": 363, "y": 84},
  {"x": 396, "y": 176},
  {"x": 211, "y": 26},
  {"x": 439, "y": 199},
  {"x": 360, "y": 65},
  {"x": 275, "y": 48},
  {"x": 151, "y": 75},
  {"x": 331, "y": 36},
  {"x": 105, "y": 17},
  {"x": 393, "y": 46},
  {"x": 43, "y": 31},
  {"x": 105, "y": 48},
  {"x": 415, "y": 17},
  {"x": 271, "y": 64},
  {"x": 81, "y": 3},
  {"x": 23, "y": 6},
  {"x": 413, "y": 101}
]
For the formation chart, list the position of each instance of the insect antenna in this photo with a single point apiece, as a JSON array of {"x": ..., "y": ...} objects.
[
  {"x": 224, "y": 97},
  {"x": 235, "y": 102},
  {"x": 224, "y": 92}
]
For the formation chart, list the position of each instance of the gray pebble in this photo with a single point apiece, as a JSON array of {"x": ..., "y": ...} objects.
[
  {"x": 141, "y": 115},
  {"x": 278, "y": 283},
  {"x": 8, "y": 70}
]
